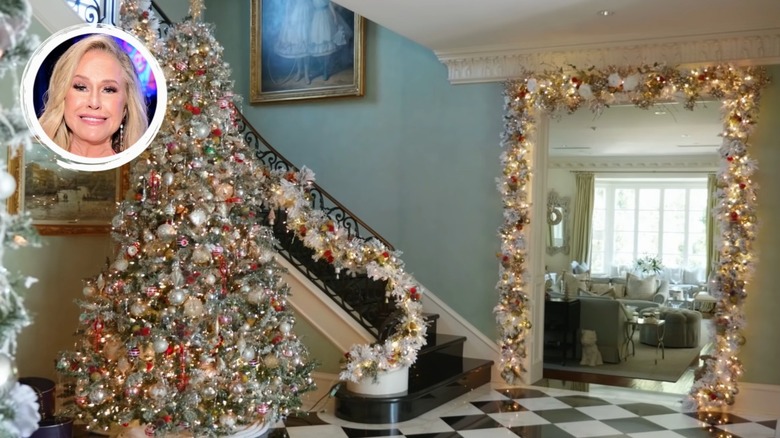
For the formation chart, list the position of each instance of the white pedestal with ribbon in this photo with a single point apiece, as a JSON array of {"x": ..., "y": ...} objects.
[{"x": 394, "y": 381}]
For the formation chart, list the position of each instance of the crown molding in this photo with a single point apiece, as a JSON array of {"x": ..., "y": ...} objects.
[
  {"x": 654, "y": 164},
  {"x": 497, "y": 65}
]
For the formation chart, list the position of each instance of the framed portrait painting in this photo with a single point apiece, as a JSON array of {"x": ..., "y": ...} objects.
[
  {"x": 60, "y": 200},
  {"x": 305, "y": 49}
]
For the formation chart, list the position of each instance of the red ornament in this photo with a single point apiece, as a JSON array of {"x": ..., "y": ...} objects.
[
  {"x": 729, "y": 158},
  {"x": 276, "y": 339},
  {"x": 302, "y": 230},
  {"x": 145, "y": 331},
  {"x": 734, "y": 216},
  {"x": 742, "y": 186},
  {"x": 328, "y": 254},
  {"x": 216, "y": 132},
  {"x": 386, "y": 255},
  {"x": 195, "y": 110}
]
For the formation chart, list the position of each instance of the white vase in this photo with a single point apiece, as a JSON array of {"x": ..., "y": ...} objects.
[{"x": 395, "y": 381}]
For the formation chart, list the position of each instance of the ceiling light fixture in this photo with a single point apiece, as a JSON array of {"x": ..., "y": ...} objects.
[{"x": 605, "y": 13}]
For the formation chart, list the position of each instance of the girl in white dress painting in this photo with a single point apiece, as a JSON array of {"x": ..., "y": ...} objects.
[{"x": 293, "y": 40}]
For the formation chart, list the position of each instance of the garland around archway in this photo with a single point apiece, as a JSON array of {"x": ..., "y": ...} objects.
[{"x": 565, "y": 91}]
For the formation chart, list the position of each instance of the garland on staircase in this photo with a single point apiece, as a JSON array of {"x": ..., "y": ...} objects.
[
  {"x": 563, "y": 91},
  {"x": 289, "y": 191}
]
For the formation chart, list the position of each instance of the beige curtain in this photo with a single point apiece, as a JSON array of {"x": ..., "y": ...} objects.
[
  {"x": 712, "y": 224},
  {"x": 582, "y": 217}
]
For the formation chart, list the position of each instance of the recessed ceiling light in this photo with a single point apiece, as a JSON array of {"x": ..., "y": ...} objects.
[
  {"x": 660, "y": 113},
  {"x": 605, "y": 12}
]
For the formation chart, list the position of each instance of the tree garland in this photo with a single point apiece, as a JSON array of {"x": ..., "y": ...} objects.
[
  {"x": 565, "y": 91},
  {"x": 288, "y": 190}
]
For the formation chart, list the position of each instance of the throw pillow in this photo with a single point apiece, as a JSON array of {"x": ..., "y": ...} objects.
[
  {"x": 641, "y": 288},
  {"x": 572, "y": 284}
]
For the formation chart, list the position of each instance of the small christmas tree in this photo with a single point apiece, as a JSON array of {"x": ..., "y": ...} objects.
[
  {"x": 18, "y": 403},
  {"x": 189, "y": 329}
]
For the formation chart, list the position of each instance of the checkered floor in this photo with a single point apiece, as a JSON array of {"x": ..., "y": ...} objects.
[{"x": 492, "y": 411}]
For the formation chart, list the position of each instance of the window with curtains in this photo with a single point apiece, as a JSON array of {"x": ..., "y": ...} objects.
[{"x": 637, "y": 217}]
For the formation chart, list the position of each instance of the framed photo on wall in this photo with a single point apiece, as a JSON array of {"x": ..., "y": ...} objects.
[
  {"x": 63, "y": 201},
  {"x": 305, "y": 49}
]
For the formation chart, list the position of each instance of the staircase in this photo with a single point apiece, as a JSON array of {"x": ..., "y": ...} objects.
[{"x": 440, "y": 374}]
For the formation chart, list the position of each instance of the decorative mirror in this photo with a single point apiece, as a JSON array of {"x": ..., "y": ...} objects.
[{"x": 557, "y": 223}]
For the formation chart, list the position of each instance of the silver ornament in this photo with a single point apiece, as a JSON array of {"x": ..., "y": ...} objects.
[
  {"x": 160, "y": 345},
  {"x": 176, "y": 296},
  {"x": 168, "y": 178}
]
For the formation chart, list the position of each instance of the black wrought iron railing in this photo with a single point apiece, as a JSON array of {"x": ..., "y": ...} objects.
[{"x": 363, "y": 298}]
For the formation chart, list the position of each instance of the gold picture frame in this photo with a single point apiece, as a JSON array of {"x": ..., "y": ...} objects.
[
  {"x": 304, "y": 49},
  {"x": 63, "y": 201}
]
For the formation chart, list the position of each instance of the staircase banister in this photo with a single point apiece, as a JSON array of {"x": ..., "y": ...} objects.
[{"x": 247, "y": 128}]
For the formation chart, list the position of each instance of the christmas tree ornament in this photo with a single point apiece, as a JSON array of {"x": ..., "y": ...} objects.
[{"x": 7, "y": 184}]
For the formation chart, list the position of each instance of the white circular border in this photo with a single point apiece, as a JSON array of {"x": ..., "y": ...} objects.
[{"x": 67, "y": 159}]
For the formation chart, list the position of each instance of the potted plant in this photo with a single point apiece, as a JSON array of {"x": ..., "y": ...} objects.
[{"x": 648, "y": 265}]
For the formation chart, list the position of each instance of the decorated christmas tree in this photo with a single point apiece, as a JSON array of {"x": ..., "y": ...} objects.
[
  {"x": 18, "y": 403},
  {"x": 189, "y": 330}
]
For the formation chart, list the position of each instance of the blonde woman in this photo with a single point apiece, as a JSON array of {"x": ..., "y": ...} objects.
[{"x": 94, "y": 106}]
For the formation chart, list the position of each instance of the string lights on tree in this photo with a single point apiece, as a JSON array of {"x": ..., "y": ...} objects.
[{"x": 565, "y": 91}]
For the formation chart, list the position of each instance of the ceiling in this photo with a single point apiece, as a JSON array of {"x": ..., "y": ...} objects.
[
  {"x": 453, "y": 26},
  {"x": 622, "y": 131},
  {"x": 473, "y": 31}
]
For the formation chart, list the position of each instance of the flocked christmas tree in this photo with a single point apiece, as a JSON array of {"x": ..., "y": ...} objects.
[
  {"x": 18, "y": 403},
  {"x": 189, "y": 329}
]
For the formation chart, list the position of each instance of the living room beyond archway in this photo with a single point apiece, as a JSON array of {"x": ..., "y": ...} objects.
[{"x": 562, "y": 91}]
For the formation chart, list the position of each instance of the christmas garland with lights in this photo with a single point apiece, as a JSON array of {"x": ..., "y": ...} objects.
[
  {"x": 354, "y": 255},
  {"x": 565, "y": 91}
]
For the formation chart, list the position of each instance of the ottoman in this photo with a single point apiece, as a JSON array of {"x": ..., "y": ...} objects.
[{"x": 682, "y": 329}]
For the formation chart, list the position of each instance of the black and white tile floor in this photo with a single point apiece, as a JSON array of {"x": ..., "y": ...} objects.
[{"x": 496, "y": 411}]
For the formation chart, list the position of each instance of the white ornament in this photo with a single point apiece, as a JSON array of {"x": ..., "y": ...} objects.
[
  {"x": 248, "y": 354},
  {"x": 585, "y": 91},
  {"x": 531, "y": 85},
  {"x": 285, "y": 327},
  {"x": 197, "y": 217},
  {"x": 120, "y": 265},
  {"x": 168, "y": 178},
  {"x": 158, "y": 391},
  {"x": 160, "y": 345},
  {"x": 7, "y": 185},
  {"x": 176, "y": 296},
  {"x": 137, "y": 309},
  {"x": 193, "y": 307},
  {"x": 631, "y": 82},
  {"x": 7, "y": 373},
  {"x": 166, "y": 231},
  {"x": 614, "y": 80}
]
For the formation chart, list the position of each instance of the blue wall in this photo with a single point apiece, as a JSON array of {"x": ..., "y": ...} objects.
[{"x": 415, "y": 158}]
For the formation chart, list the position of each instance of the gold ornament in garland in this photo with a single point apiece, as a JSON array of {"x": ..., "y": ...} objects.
[{"x": 568, "y": 89}]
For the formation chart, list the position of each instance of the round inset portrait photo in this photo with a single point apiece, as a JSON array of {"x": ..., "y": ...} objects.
[{"x": 94, "y": 95}]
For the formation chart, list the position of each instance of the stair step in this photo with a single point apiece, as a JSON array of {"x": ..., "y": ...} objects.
[{"x": 426, "y": 391}]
